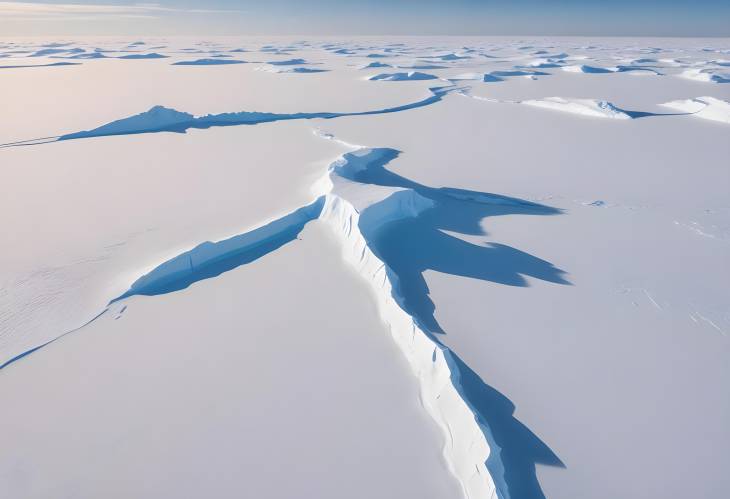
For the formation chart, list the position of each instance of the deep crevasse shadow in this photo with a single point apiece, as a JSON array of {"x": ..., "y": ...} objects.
[
  {"x": 211, "y": 259},
  {"x": 514, "y": 449},
  {"x": 411, "y": 246}
]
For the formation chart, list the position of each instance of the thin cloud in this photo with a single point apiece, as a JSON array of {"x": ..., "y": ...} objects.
[{"x": 27, "y": 11}]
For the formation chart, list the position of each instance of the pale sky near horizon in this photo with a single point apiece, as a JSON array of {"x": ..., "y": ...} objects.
[{"x": 368, "y": 17}]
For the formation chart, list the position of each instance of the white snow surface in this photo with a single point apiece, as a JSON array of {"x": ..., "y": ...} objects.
[{"x": 286, "y": 278}]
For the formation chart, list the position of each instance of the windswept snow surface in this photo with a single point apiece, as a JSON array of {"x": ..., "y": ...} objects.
[{"x": 324, "y": 285}]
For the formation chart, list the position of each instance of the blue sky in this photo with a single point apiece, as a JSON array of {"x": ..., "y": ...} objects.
[{"x": 372, "y": 17}]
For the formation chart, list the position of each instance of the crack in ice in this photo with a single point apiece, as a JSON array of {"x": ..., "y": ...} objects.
[{"x": 488, "y": 451}]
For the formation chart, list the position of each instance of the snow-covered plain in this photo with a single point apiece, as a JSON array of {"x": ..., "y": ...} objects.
[{"x": 394, "y": 267}]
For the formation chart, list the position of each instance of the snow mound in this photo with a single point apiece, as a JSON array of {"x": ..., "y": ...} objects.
[
  {"x": 644, "y": 60},
  {"x": 671, "y": 62},
  {"x": 280, "y": 69},
  {"x": 545, "y": 63},
  {"x": 583, "y": 68},
  {"x": 708, "y": 108},
  {"x": 376, "y": 64},
  {"x": 490, "y": 78},
  {"x": 410, "y": 76},
  {"x": 639, "y": 70},
  {"x": 485, "y": 77},
  {"x": 207, "y": 62},
  {"x": 157, "y": 118},
  {"x": 85, "y": 55},
  {"x": 706, "y": 75},
  {"x": 288, "y": 62},
  {"x": 53, "y": 51},
  {"x": 585, "y": 107},
  {"x": 515, "y": 72},
  {"x": 449, "y": 57},
  {"x": 153, "y": 55}
]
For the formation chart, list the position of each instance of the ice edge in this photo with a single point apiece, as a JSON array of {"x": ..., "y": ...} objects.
[
  {"x": 469, "y": 444},
  {"x": 468, "y": 441}
]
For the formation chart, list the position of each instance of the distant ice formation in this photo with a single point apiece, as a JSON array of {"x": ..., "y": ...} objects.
[
  {"x": 153, "y": 55},
  {"x": 208, "y": 62},
  {"x": 375, "y": 64},
  {"x": 707, "y": 75},
  {"x": 288, "y": 62},
  {"x": 41, "y": 65},
  {"x": 162, "y": 119},
  {"x": 410, "y": 76},
  {"x": 158, "y": 117},
  {"x": 300, "y": 70},
  {"x": 583, "y": 68},
  {"x": 586, "y": 107},
  {"x": 708, "y": 108}
]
